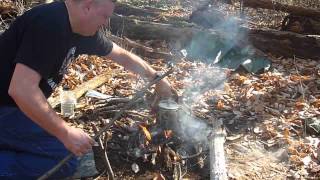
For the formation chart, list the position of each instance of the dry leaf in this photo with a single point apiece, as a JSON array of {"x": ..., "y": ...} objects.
[
  {"x": 146, "y": 132},
  {"x": 220, "y": 105}
]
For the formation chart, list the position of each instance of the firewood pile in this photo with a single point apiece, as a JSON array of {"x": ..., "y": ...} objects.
[{"x": 266, "y": 117}]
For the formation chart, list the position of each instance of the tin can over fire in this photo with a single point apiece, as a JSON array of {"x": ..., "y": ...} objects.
[{"x": 168, "y": 115}]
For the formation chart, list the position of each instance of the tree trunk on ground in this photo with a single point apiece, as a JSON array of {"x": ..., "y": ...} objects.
[
  {"x": 285, "y": 44},
  {"x": 301, "y": 24},
  {"x": 269, "y": 4},
  {"x": 128, "y": 10}
]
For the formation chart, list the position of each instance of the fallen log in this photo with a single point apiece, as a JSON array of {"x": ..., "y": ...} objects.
[
  {"x": 272, "y": 5},
  {"x": 127, "y": 10},
  {"x": 141, "y": 49},
  {"x": 301, "y": 24},
  {"x": 83, "y": 88},
  {"x": 285, "y": 44},
  {"x": 211, "y": 17},
  {"x": 143, "y": 30}
]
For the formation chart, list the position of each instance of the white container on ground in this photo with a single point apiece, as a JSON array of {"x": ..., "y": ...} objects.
[{"x": 68, "y": 102}]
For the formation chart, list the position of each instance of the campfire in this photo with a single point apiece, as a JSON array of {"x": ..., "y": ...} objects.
[{"x": 160, "y": 143}]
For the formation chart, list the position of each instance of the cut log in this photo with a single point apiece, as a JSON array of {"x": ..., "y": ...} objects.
[
  {"x": 83, "y": 88},
  {"x": 285, "y": 44}
]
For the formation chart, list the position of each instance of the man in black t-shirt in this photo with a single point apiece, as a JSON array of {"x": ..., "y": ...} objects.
[{"x": 34, "y": 55}]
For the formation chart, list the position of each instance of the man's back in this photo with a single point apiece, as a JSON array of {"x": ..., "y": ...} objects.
[{"x": 25, "y": 31}]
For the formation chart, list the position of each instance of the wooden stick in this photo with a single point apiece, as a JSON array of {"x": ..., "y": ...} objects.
[
  {"x": 105, "y": 155},
  {"x": 83, "y": 88},
  {"x": 109, "y": 169}
]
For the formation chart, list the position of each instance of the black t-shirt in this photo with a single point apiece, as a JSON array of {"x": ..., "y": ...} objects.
[{"x": 42, "y": 39}]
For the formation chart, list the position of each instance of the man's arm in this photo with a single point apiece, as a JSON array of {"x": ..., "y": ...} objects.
[
  {"x": 135, "y": 64},
  {"x": 24, "y": 89}
]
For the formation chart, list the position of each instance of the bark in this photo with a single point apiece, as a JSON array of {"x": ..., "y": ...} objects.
[{"x": 279, "y": 43}]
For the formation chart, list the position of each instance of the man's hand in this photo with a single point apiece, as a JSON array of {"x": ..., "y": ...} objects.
[
  {"x": 24, "y": 89},
  {"x": 165, "y": 91},
  {"x": 77, "y": 141}
]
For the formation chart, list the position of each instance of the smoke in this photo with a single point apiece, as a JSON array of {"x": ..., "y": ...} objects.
[
  {"x": 217, "y": 48},
  {"x": 193, "y": 128},
  {"x": 202, "y": 80},
  {"x": 222, "y": 34}
]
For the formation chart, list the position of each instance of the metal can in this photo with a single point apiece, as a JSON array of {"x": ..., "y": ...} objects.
[{"x": 168, "y": 115}]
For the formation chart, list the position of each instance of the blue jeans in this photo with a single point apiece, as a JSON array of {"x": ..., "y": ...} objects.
[{"x": 27, "y": 151}]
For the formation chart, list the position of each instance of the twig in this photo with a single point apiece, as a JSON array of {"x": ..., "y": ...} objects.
[
  {"x": 109, "y": 169},
  {"x": 103, "y": 149},
  {"x": 108, "y": 108},
  {"x": 140, "y": 114},
  {"x": 137, "y": 96}
]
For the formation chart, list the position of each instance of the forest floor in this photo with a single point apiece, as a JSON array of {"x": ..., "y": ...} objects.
[{"x": 270, "y": 118}]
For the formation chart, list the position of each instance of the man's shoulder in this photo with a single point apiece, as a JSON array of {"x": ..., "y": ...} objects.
[{"x": 47, "y": 16}]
